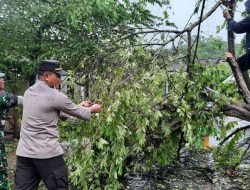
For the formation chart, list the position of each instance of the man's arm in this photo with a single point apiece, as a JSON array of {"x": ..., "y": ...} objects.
[
  {"x": 81, "y": 111},
  {"x": 237, "y": 27},
  {"x": 94, "y": 108},
  {"x": 9, "y": 99}
]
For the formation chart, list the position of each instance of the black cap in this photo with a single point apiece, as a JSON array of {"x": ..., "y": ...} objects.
[{"x": 52, "y": 66}]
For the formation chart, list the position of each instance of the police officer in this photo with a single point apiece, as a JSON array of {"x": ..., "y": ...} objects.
[
  {"x": 7, "y": 100},
  {"x": 242, "y": 26},
  {"x": 39, "y": 154}
]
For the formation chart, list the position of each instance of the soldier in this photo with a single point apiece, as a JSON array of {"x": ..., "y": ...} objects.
[{"x": 7, "y": 100}]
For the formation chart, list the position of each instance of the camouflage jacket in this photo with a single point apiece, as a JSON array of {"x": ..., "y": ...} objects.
[{"x": 7, "y": 100}]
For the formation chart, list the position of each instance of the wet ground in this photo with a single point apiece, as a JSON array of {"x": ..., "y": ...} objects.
[
  {"x": 196, "y": 173},
  {"x": 193, "y": 175},
  {"x": 11, "y": 158}
]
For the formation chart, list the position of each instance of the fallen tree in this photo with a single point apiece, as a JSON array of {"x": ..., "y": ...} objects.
[{"x": 109, "y": 50}]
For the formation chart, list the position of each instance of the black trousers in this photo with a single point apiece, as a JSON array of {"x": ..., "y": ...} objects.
[
  {"x": 244, "y": 62},
  {"x": 30, "y": 171}
]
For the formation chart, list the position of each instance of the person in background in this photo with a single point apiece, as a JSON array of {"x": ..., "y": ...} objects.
[
  {"x": 7, "y": 100},
  {"x": 39, "y": 154},
  {"x": 240, "y": 27}
]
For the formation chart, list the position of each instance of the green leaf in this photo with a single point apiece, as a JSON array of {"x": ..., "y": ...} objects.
[{"x": 101, "y": 143}]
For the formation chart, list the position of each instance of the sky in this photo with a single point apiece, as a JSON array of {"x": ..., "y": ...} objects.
[{"x": 181, "y": 12}]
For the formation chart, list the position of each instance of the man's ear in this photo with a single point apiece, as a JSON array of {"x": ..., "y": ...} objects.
[{"x": 46, "y": 76}]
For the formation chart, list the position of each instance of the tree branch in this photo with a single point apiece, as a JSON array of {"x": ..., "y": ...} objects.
[
  {"x": 238, "y": 111},
  {"x": 238, "y": 77},
  {"x": 191, "y": 27},
  {"x": 233, "y": 133}
]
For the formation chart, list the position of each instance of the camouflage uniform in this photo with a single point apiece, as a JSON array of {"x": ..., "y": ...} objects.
[{"x": 7, "y": 100}]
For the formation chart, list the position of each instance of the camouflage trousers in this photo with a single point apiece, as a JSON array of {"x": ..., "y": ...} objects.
[{"x": 3, "y": 164}]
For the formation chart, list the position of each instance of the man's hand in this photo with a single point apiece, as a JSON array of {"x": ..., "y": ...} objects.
[
  {"x": 226, "y": 14},
  {"x": 228, "y": 55},
  {"x": 96, "y": 108},
  {"x": 85, "y": 103}
]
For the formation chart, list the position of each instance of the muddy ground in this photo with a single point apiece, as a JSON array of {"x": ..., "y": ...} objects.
[
  {"x": 201, "y": 175},
  {"x": 196, "y": 173}
]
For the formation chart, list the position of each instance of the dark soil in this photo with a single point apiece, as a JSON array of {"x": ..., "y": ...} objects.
[{"x": 196, "y": 172}]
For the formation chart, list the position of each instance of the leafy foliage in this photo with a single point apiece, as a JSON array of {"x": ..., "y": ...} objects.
[
  {"x": 64, "y": 30},
  {"x": 141, "y": 123}
]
